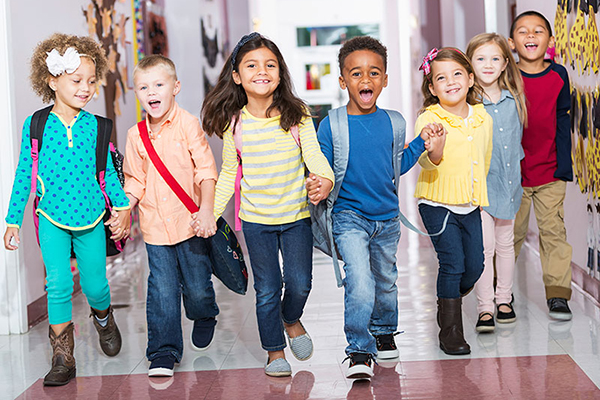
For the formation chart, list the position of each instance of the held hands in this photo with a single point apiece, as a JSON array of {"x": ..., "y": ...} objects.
[
  {"x": 203, "y": 223},
  {"x": 11, "y": 232},
  {"x": 434, "y": 135},
  {"x": 119, "y": 224},
  {"x": 318, "y": 188}
]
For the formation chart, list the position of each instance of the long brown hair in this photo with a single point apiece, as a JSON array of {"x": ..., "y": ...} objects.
[
  {"x": 475, "y": 93},
  {"x": 510, "y": 79},
  {"x": 227, "y": 98}
]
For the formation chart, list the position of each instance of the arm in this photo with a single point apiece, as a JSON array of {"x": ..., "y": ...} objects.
[
  {"x": 312, "y": 154},
  {"x": 431, "y": 158},
  {"x": 564, "y": 168},
  {"x": 411, "y": 154},
  {"x": 133, "y": 167},
  {"x": 226, "y": 182}
]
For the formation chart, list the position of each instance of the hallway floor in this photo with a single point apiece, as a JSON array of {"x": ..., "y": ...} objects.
[{"x": 533, "y": 358}]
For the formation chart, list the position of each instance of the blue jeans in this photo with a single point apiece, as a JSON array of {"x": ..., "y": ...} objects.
[
  {"x": 176, "y": 270},
  {"x": 368, "y": 249},
  {"x": 264, "y": 242},
  {"x": 459, "y": 249}
]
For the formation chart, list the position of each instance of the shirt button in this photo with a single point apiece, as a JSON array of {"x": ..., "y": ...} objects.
[
  {"x": 505, "y": 147},
  {"x": 158, "y": 136},
  {"x": 168, "y": 219},
  {"x": 495, "y": 111},
  {"x": 474, "y": 180},
  {"x": 470, "y": 138},
  {"x": 501, "y": 130},
  {"x": 512, "y": 200},
  {"x": 508, "y": 164},
  {"x": 475, "y": 162},
  {"x": 510, "y": 182},
  {"x": 475, "y": 200},
  {"x": 164, "y": 199}
]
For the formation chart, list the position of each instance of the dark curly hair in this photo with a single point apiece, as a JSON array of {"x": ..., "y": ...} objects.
[
  {"x": 475, "y": 94},
  {"x": 227, "y": 98},
  {"x": 362, "y": 43},
  {"x": 84, "y": 45}
]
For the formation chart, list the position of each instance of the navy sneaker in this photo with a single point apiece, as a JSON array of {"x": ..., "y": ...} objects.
[
  {"x": 203, "y": 333},
  {"x": 162, "y": 366}
]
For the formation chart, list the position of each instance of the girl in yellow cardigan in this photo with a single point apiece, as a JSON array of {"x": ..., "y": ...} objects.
[{"x": 456, "y": 185}]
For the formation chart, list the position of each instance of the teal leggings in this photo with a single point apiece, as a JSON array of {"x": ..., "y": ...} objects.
[{"x": 90, "y": 249}]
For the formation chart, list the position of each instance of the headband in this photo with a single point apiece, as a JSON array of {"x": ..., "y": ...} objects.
[
  {"x": 68, "y": 62},
  {"x": 426, "y": 65},
  {"x": 245, "y": 39}
]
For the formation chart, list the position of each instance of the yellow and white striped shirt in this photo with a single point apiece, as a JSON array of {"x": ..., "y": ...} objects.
[{"x": 272, "y": 188}]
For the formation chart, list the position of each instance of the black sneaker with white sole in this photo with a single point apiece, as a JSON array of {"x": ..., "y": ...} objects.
[
  {"x": 559, "y": 309},
  {"x": 361, "y": 366},
  {"x": 386, "y": 346}
]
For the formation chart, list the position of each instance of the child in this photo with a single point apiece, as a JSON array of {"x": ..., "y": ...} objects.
[
  {"x": 365, "y": 215},
  {"x": 177, "y": 258},
  {"x": 255, "y": 90},
  {"x": 455, "y": 187},
  {"x": 496, "y": 71},
  {"x": 547, "y": 164},
  {"x": 65, "y": 69}
]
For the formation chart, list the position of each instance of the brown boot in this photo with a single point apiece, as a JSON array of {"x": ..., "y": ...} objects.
[
  {"x": 63, "y": 362},
  {"x": 109, "y": 335},
  {"x": 452, "y": 340}
]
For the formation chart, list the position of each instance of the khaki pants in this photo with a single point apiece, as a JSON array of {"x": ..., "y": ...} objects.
[{"x": 555, "y": 252}]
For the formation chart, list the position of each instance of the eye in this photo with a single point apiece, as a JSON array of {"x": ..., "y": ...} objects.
[
  {"x": 76, "y": 80},
  {"x": 440, "y": 78},
  {"x": 159, "y": 84},
  {"x": 143, "y": 88},
  {"x": 271, "y": 65},
  {"x": 92, "y": 82},
  {"x": 458, "y": 73},
  {"x": 496, "y": 59},
  {"x": 250, "y": 65},
  {"x": 374, "y": 73},
  {"x": 480, "y": 59},
  {"x": 356, "y": 74}
]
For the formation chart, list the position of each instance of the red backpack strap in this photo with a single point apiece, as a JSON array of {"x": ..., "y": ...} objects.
[{"x": 185, "y": 198}]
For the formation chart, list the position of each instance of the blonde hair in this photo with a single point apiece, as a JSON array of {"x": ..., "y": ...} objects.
[
  {"x": 475, "y": 93},
  {"x": 156, "y": 60},
  {"x": 39, "y": 75},
  {"x": 510, "y": 79}
]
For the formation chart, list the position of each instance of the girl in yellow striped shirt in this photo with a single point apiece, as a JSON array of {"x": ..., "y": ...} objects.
[{"x": 254, "y": 110}]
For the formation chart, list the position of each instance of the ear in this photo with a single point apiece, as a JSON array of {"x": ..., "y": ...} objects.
[
  {"x": 52, "y": 83},
  {"x": 471, "y": 80},
  {"x": 236, "y": 78},
  {"x": 432, "y": 90},
  {"x": 511, "y": 43},
  {"x": 552, "y": 42},
  {"x": 176, "y": 88},
  {"x": 385, "y": 80},
  {"x": 342, "y": 82},
  {"x": 505, "y": 64}
]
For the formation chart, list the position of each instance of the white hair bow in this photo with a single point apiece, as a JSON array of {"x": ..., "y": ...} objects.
[{"x": 69, "y": 62}]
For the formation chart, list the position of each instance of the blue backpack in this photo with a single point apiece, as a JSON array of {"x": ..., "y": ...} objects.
[{"x": 320, "y": 214}]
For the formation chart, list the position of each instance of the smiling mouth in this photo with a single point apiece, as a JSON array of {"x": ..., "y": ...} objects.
[
  {"x": 452, "y": 91},
  {"x": 531, "y": 46},
  {"x": 154, "y": 104},
  {"x": 366, "y": 95},
  {"x": 262, "y": 81}
]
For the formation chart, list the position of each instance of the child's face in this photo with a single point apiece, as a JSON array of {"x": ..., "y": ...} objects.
[
  {"x": 531, "y": 38},
  {"x": 364, "y": 76},
  {"x": 450, "y": 82},
  {"x": 488, "y": 64},
  {"x": 77, "y": 89},
  {"x": 156, "y": 89},
  {"x": 258, "y": 73}
]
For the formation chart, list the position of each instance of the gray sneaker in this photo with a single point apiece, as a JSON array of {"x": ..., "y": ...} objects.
[{"x": 301, "y": 346}]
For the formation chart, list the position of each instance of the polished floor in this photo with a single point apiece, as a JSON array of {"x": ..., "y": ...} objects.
[{"x": 533, "y": 358}]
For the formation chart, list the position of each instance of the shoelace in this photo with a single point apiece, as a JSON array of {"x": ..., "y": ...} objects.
[{"x": 387, "y": 339}]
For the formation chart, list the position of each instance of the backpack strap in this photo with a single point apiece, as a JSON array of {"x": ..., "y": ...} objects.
[
  {"x": 36, "y": 133},
  {"x": 104, "y": 132},
  {"x": 237, "y": 129}
]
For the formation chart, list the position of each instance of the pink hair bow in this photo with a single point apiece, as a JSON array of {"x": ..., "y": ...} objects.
[{"x": 425, "y": 66}]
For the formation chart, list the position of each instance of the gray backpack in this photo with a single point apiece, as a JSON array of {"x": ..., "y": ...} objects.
[{"x": 321, "y": 213}]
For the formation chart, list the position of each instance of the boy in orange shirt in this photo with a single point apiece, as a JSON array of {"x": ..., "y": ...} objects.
[{"x": 177, "y": 258}]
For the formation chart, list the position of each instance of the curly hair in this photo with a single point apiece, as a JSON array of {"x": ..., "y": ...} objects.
[
  {"x": 362, "y": 43},
  {"x": 84, "y": 45},
  {"x": 475, "y": 94}
]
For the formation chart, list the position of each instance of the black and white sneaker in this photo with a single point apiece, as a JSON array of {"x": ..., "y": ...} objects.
[
  {"x": 559, "y": 309},
  {"x": 361, "y": 366},
  {"x": 386, "y": 346},
  {"x": 162, "y": 366}
]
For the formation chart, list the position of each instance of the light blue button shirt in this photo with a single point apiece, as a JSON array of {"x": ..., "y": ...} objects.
[{"x": 504, "y": 176}]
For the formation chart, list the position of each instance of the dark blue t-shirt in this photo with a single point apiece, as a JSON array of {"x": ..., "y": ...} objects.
[{"x": 368, "y": 187}]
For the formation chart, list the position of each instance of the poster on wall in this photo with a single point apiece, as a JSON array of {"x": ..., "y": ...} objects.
[
  {"x": 155, "y": 28},
  {"x": 108, "y": 22},
  {"x": 214, "y": 39}
]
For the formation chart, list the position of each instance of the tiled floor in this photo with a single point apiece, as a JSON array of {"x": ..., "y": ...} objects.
[{"x": 534, "y": 358}]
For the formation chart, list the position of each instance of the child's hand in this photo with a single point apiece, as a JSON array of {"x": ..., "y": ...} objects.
[
  {"x": 431, "y": 130},
  {"x": 11, "y": 232},
  {"x": 435, "y": 146},
  {"x": 119, "y": 224},
  {"x": 318, "y": 188},
  {"x": 204, "y": 223}
]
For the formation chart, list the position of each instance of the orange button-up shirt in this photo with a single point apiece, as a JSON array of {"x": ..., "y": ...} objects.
[{"x": 183, "y": 148}]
